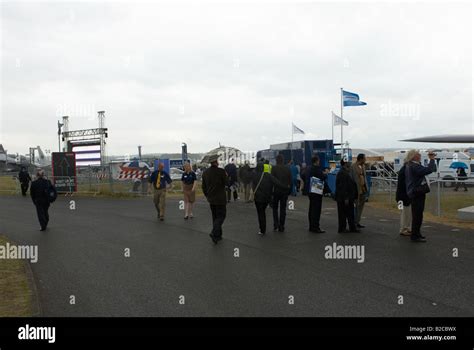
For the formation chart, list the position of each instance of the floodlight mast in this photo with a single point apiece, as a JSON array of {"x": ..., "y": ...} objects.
[
  {"x": 103, "y": 136},
  {"x": 65, "y": 130}
]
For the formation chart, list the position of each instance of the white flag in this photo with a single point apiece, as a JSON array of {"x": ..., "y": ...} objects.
[
  {"x": 338, "y": 120},
  {"x": 297, "y": 130}
]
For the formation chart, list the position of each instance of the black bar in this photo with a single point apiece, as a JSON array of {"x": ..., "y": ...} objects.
[{"x": 356, "y": 331}]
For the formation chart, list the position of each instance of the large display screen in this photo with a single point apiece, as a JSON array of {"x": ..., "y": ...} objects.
[{"x": 87, "y": 154}]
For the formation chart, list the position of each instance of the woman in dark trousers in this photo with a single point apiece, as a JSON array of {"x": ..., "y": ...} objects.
[
  {"x": 262, "y": 185},
  {"x": 346, "y": 193},
  {"x": 315, "y": 200}
]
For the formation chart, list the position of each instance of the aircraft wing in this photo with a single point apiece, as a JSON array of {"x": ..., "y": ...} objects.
[{"x": 461, "y": 138}]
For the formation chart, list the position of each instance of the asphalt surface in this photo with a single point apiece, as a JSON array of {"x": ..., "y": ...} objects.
[{"x": 82, "y": 254}]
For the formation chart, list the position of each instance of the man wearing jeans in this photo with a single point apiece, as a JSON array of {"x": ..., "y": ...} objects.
[
  {"x": 160, "y": 179},
  {"x": 214, "y": 181}
]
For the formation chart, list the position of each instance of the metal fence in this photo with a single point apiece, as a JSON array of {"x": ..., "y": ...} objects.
[
  {"x": 90, "y": 184},
  {"x": 442, "y": 200}
]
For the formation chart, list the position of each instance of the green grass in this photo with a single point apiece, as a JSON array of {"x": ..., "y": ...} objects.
[
  {"x": 16, "y": 296},
  {"x": 98, "y": 188},
  {"x": 450, "y": 202},
  {"x": 8, "y": 185},
  {"x": 122, "y": 189}
]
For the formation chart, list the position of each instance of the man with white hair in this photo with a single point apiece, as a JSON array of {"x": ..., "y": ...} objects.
[
  {"x": 417, "y": 186},
  {"x": 42, "y": 193}
]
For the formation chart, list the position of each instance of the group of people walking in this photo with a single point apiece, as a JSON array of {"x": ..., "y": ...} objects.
[{"x": 271, "y": 186}]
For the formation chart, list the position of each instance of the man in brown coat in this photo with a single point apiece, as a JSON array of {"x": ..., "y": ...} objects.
[{"x": 359, "y": 176}]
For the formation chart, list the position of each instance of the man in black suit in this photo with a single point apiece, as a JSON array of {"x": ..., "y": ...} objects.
[
  {"x": 214, "y": 181},
  {"x": 24, "y": 179},
  {"x": 40, "y": 195},
  {"x": 346, "y": 194},
  {"x": 315, "y": 199}
]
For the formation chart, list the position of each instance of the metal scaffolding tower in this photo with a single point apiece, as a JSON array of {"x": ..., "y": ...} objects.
[
  {"x": 65, "y": 130},
  {"x": 85, "y": 142},
  {"x": 103, "y": 136}
]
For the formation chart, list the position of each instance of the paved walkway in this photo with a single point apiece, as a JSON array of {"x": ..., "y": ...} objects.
[{"x": 82, "y": 254}]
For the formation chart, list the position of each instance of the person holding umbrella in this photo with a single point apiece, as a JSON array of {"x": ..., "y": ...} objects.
[{"x": 461, "y": 174}]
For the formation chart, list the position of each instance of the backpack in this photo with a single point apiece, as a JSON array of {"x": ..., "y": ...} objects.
[{"x": 51, "y": 192}]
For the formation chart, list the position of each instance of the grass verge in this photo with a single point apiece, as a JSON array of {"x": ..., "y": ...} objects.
[
  {"x": 17, "y": 298},
  {"x": 450, "y": 203}
]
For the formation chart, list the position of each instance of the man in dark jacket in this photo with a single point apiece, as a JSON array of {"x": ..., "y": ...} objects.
[
  {"x": 263, "y": 184},
  {"x": 24, "y": 179},
  {"x": 346, "y": 193},
  {"x": 417, "y": 186},
  {"x": 403, "y": 202},
  {"x": 231, "y": 171},
  {"x": 214, "y": 181},
  {"x": 245, "y": 176},
  {"x": 315, "y": 200},
  {"x": 39, "y": 192},
  {"x": 280, "y": 195}
]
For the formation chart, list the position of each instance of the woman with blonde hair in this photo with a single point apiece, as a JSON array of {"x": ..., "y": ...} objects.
[{"x": 188, "y": 180}]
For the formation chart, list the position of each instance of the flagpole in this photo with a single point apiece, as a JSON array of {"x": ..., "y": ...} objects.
[
  {"x": 291, "y": 147},
  {"x": 332, "y": 126},
  {"x": 342, "y": 118}
]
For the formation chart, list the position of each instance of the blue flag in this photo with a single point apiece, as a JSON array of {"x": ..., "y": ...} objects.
[{"x": 351, "y": 99}]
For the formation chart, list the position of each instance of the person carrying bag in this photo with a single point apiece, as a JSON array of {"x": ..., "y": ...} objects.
[{"x": 263, "y": 184}]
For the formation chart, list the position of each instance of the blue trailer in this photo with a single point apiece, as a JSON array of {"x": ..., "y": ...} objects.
[{"x": 301, "y": 152}]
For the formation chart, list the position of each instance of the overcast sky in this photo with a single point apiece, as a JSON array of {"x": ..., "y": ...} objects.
[{"x": 236, "y": 74}]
